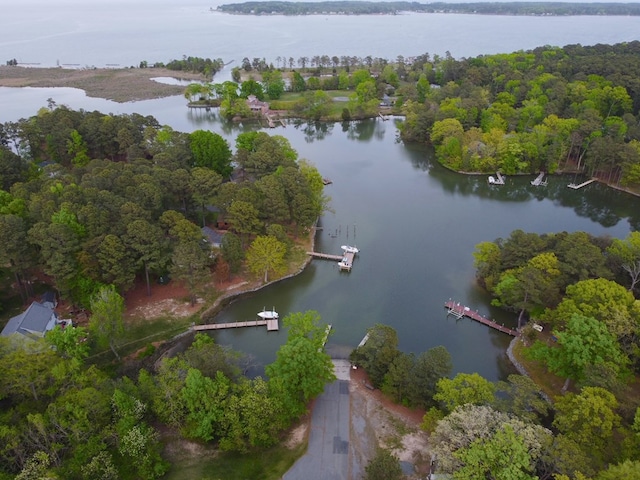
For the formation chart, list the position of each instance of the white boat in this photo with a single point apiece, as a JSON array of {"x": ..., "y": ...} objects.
[
  {"x": 268, "y": 314},
  {"x": 349, "y": 249},
  {"x": 491, "y": 180}
]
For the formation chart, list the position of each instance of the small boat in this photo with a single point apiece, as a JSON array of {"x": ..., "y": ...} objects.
[
  {"x": 491, "y": 180},
  {"x": 268, "y": 314},
  {"x": 349, "y": 249}
]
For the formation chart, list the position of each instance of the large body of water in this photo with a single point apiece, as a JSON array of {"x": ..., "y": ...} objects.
[{"x": 415, "y": 222}]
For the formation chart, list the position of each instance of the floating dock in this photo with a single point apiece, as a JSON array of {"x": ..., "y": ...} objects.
[
  {"x": 458, "y": 310},
  {"x": 584, "y": 184}
]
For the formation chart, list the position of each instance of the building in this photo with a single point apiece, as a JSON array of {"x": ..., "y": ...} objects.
[
  {"x": 257, "y": 106},
  {"x": 34, "y": 322}
]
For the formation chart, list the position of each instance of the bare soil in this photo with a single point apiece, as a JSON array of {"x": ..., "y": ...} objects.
[{"x": 117, "y": 84}]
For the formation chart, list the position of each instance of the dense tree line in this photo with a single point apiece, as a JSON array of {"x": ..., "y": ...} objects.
[
  {"x": 371, "y": 8},
  {"x": 549, "y": 109},
  {"x": 97, "y": 199},
  {"x": 582, "y": 289},
  {"x": 62, "y": 418},
  {"x": 206, "y": 66}
]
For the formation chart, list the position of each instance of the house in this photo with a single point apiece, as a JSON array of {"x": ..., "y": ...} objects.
[
  {"x": 256, "y": 105},
  {"x": 214, "y": 238},
  {"x": 34, "y": 322}
]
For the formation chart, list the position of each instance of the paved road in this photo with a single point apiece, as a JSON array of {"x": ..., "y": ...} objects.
[{"x": 327, "y": 456}]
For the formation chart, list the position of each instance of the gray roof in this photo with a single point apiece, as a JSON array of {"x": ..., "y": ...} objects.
[
  {"x": 214, "y": 238},
  {"x": 34, "y": 319}
]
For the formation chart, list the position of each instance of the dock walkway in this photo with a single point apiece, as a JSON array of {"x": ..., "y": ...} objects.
[
  {"x": 271, "y": 324},
  {"x": 458, "y": 310},
  {"x": 325, "y": 256},
  {"x": 584, "y": 184}
]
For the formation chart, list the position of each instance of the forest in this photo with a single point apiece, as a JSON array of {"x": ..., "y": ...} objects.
[
  {"x": 394, "y": 8},
  {"x": 93, "y": 202}
]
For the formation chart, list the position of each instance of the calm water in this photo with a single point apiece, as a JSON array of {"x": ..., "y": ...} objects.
[{"x": 415, "y": 223}]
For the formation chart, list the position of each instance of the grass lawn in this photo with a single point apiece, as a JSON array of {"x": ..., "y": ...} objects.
[{"x": 269, "y": 464}]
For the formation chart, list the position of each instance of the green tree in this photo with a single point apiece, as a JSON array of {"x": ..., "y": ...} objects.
[
  {"x": 190, "y": 263},
  {"x": 244, "y": 217},
  {"x": 602, "y": 299},
  {"x": 16, "y": 252},
  {"x": 212, "y": 151},
  {"x": 502, "y": 457},
  {"x": 589, "y": 419},
  {"x": 626, "y": 253},
  {"x": 397, "y": 380},
  {"x": 266, "y": 254},
  {"x": 464, "y": 388},
  {"x": 204, "y": 185},
  {"x": 106, "y": 323},
  {"x": 629, "y": 470},
  {"x": 274, "y": 83},
  {"x": 378, "y": 352},
  {"x": 584, "y": 343},
  {"x": 428, "y": 369},
  {"x": 523, "y": 397},
  {"x": 232, "y": 251},
  {"x": 384, "y": 466},
  {"x": 149, "y": 245},
  {"x": 205, "y": 400},
  {"x": 301, "y": 368},
  {"x": 116, "y": 263},
  {"x": 69, "y": 342}
]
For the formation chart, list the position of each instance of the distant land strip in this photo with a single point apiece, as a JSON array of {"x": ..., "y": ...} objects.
[{"x": 395, "y": 8}]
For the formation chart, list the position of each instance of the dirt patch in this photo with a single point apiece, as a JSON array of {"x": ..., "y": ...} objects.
[
  {"x": 376, "y": 421},
  {"x": 117, "y": 84},
  {"x": 299, "y": 434}
]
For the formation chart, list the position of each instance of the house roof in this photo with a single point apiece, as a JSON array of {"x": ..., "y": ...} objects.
[
  {"x": 34, "y": 319},
  {"x": 215, "y": 238}
]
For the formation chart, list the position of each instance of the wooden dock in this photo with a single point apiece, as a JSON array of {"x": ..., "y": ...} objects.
[
  {"x": 539, "y": 180},
  {"x": 271, "y": 324},
  {"x": 458, "y": 310},
  {"x": 325, "y": 256},
  {"x": 345, "y": 261},
  {"x": 583, "y": 184}
]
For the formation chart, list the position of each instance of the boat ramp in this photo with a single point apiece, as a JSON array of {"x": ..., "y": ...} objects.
[{"x": 458, "y": 310}]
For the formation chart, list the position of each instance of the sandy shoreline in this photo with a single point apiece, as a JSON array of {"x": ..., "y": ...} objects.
[{"x": 120, "y": 85}]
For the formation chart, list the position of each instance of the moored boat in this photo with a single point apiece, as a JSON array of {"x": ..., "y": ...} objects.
[
  {"x": 268, "y": 314},
  {"x": 349, "y": 249}
]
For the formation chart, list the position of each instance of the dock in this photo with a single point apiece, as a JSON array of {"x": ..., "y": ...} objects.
[
  {"x": 458, "y": 310},
  {"x": 271, "y": 324},
  {"x": 583, "y": 184},
  {"x": 364, "y": 340},
  {"x": 345, "y": 261},
  {"x": 497, "y": 180},
  {"x": 539, "y": 180},
  {"x": 325, "y": 256}
]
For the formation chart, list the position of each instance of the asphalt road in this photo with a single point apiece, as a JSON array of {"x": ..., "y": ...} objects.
[{"x": 327, "y": 456}]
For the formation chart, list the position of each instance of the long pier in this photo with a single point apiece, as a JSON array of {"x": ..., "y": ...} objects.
[
  {"x": 271, "y": 324},
  {"x": 458, "y": 310},
  {"x": 584, "y": 184}
]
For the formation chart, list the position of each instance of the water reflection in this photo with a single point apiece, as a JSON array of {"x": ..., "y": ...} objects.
[{"x": 312, "y": 130}]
